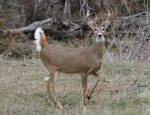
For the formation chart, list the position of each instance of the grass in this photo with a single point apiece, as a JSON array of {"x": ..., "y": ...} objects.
[{"x": 124, "y": 90}]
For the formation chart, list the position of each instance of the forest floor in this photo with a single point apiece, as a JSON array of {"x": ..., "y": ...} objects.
[{"x": 124, "y": 89}]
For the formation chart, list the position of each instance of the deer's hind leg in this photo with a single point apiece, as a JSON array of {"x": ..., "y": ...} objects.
[{"x": 52, "y": 76}]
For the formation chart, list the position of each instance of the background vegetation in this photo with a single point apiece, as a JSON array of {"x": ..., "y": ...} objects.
[
  {"x": 125, "y": 84},
  {"x": 65, "y": 20}
]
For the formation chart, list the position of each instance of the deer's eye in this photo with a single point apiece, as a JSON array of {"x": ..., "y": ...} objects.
[
  {"x": 102, "y": 29},
  {"x": 96, "y": 30}
]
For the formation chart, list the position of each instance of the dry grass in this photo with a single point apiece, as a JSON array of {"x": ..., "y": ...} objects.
[{"x": 124, "y": 90}]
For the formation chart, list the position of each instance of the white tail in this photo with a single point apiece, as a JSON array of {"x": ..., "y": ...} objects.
[
  {"x": 40, "y": 39},
  {"x": 84, "y": 61}
]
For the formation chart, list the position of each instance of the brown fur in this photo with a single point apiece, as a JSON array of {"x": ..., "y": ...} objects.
[
  {"x": 42, "y": 40},
  {"x": 72, "y": 60}
]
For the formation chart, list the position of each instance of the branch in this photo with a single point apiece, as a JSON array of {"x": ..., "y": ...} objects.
[
  {"x": 135, "y": 15},
  {"x": 12, "y": 4},
  {"x": 31, "y": 27}
]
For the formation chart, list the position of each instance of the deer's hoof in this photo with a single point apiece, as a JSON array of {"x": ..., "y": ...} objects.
[
  {"x": 88, "y": 97},
  {"x": 51, "y": 103},
  {"x": 60, "y": 106}
]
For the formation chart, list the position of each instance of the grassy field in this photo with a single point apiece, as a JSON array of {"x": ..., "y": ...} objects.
[{"x": 124, "y": 90}]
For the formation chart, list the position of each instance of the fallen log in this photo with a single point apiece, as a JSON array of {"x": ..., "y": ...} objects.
[{"x": 31, "y": 27}]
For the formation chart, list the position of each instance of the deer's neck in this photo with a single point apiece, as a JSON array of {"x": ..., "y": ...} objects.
[{"x": 98, "y": 49}]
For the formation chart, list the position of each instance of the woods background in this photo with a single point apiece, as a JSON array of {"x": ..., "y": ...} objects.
[
  {"x": 65, "y": 21},
  {"x": 124, "y": 88}
]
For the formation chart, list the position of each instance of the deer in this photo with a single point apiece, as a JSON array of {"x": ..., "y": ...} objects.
[{"x": 84, "y": 61}]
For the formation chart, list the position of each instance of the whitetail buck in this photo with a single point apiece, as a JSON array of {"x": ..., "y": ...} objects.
[{"x": 84, "y": 61}]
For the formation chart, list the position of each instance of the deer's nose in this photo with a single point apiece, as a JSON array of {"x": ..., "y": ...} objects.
[{"x": 99, "y": 35}]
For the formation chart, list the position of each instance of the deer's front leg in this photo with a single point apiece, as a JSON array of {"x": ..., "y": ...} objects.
[
  {"x": 47, "y": 84},
  {"x": 53, "y": 89},
  {"x": 84, "y": 89},
  {"x": 94, "y": 86}
]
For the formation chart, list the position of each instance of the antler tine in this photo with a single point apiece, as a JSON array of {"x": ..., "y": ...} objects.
[
  {"x": 91, "y": 24},
  {"x": 90, "y": 21},
  {"x": 108, "y": 13},
  {"x": 88, "y": 13},
  {"x": 107, "y": 21}
]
